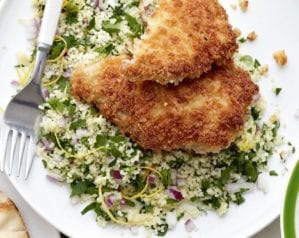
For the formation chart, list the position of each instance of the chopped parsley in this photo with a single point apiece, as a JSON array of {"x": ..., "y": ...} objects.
[
  {"x": 277, "y": 91},
  {"x": 242, "y": 40},
  {"x": 273, "y": 173}
]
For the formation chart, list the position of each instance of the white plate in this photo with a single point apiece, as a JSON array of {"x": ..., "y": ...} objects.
[
  {"x": 276, "y": 23},
  {"x": 35, "y": 225}
]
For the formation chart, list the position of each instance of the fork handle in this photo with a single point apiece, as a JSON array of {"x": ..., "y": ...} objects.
[{"x": 50, "y": 21}]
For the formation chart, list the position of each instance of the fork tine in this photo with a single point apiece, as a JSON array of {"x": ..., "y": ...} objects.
[
  {"x": 21, "y": 151},
  {"x": 30, "y": 156},
  {"x": 12, "y": 150},
  {"x": 3, "y": 144}
]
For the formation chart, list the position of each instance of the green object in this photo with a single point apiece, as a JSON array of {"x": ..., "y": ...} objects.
[{"x": 289, "y": 215}]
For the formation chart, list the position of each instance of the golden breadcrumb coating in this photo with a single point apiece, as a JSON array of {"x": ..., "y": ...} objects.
[
  {"x": 204, "y": 114},
  {"x": 183, "y": 38}
]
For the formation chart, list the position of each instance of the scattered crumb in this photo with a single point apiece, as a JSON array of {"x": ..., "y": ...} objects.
[
  {"x": 243, "y": 4},
  {"x": 233, "y": 6},
  {"x": 264, "y": 69},
  {"x": 251, "y": 36},
  {"x": 237, "y": 31},
  {"x": 165, "y": 104},
  {"x": 280, "y": 57}
]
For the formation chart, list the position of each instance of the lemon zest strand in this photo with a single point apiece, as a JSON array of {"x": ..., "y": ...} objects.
[
  {"x": 106, "y": 209},
  {"x": 161, "y": 187},
  {"x": 142, "y": 194},
  {"x": 77, "y": 156},
  {"x": 49, "y": 83},
  {"x": 59, "y": 38}
]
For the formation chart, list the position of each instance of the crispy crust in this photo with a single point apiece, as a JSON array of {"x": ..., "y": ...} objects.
[
  {"x": 204, "y": 114},
  {"x": 183, "y": 39}
]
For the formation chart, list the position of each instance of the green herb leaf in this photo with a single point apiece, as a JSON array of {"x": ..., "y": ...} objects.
[
  {"x": 91, "y": 24},
  {"x": 134, "y": 25},
  {"x": 93, "y": 111},
  {"x": 106, "y": 49},
  {"x": 162, "y": 230},
  {"x": 45, "y": 164},
  {"x": 166, "y": 177},
  {"x": 256, "y": 64},
  {"x": 242, "y": 40},
  {"x": 205, "y": 184},
  {"x": 110, "y": 27},
  {"x": 79, "y": 187},
  {"x": 101, "y": 140},
  {"x": 225, "y": 176},
  {"x": 118, "y": 139},
  {"x": 78, "y": 124},
  {"x": 247, "y": 59},
  {"x": 71, "y": 18},
  {"x": 277, "y": 91},
  {"x": 171, "y": 201},
  {"x": 56, "y": 49},
  {"x": 56, "y": 104},
  {"x": 255, "y": 113},
  {"x": 250, "y": 171},
  {"x": 130, "y": 203},
  {"x": 273, "y": 173},
  {"x": 71, "y": 41},
  {"x": 176, "y": 164},
  {"x": 146, "y": 209},
  {"x": 115, "y": 151},
  {"x": 63, "y": 85},
  {"x": 179, "y": 217},
  {"x": 88, "y": 208}
]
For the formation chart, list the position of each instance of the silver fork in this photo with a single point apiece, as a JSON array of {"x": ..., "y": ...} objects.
[{"x": 22, "y": 115}]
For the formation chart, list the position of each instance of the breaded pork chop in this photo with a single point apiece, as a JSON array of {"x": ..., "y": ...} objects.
[
  {"x": 204, "y": 114},
  {"x": 183, "y": 39}
]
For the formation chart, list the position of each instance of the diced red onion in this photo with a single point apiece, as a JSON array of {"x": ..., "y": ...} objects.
[
  {"x": 256, "y": 97},
  {"x": 46, "y": 144},
  {"x": 108, "y": 203},
  {"x": 67, "y": 73},
  {"x": 36, "y": 24},
  {"x": 99, "y": 4},
  {"x": 111, "y": 199},
  {"x": 54, "y": 177},
  {"x": 190, "y": 226},
  {"x": 177, "y": 195},
  {"x": 96, "y": 3},
  {"x": 45, "y": 92},
  {"x": 123, "y": 202},
  {"x": 173, "y": 177},
  {"x": 152, "y": 179},
  {"x": 14, "y": 83},
  {"x": 110, "y": 159},
  {"x": 116, "y": 174}
]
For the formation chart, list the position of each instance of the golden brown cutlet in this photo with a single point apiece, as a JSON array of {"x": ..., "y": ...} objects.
[
  {"x": 183, "y": 38},
  {"x": 204, "y": 114}
]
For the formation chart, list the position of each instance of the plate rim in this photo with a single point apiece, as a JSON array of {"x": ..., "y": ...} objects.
[{"x": 251, "y": 231}]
